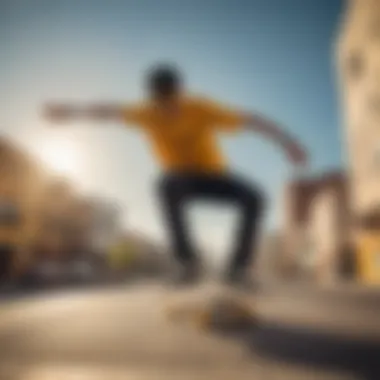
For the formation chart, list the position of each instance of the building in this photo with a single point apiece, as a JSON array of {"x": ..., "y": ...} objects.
[
  {"x": 150, "y": 258},
  {"x": 269, "y": 264},
  {"x": 137, "y": 255},
  {"x": 358, "y": 63},
  {"x": 316, "y": 217},
  {"x": 55, "y": 219},
  {"x": 74, "y": 224},
  {"x": 297, "y": 198},
  {"x": 21, "y": 183},
  {"x": 81, "y": 219},
  {"x": 358, "y": 57},
  {"x": 327, "y": 227},
  {"x": 105, "y": 223}
]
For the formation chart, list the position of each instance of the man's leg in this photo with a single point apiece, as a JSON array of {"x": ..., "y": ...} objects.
[
  {"x": 174, "y": 191},
  {"x": 5, "y": 262},
  {"x": 251, "y": 203},
  {"x": 177, "y": 190}
]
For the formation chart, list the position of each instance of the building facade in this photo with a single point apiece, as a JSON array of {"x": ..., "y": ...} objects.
[
  {"x": 269, "y": 264},
  {"x": 106, "y": 223},
  {"x": 327, "y": 227},
  {"x": 21, "y": 183},
  {"x": 55, "y": 220},
  {"x": 358, "y": 64},
  {"x": 315, "y": 226},
  {"x": 297, "y": 197}
]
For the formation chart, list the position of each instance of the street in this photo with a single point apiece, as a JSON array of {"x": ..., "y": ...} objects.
[{"x": 122, "y": 333}]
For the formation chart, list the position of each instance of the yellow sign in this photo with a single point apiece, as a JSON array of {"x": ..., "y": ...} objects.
[
  {"x": 121, "y": 256},
  {"x": 369, "y": 258}
]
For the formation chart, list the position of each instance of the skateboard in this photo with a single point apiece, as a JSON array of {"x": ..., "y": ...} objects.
[{"x": 216, "y": 309}]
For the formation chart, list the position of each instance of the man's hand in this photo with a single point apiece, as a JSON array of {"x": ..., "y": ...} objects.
[
  {"x": 96, "y": 112},
  {"x": 296, "y": 154}
]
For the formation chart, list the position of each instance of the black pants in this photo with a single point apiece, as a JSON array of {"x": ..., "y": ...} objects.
[
  {"x": 177, "y": 189},
  {"x": 6, "y": 257}
]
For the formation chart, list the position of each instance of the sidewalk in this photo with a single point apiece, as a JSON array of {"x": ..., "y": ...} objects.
[
  {"x": 340, "y": 293},
  {"x": 125, "y": 330}
]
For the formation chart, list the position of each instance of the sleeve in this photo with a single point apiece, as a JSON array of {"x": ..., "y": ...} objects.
[
  {"x": 134, "y": 116},
  {"x": 222, "y": 117}
]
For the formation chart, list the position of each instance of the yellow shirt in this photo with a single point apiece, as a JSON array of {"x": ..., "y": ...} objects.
[{"x": 186, "y": 139}]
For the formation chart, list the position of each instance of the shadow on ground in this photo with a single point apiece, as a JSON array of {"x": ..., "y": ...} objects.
[{"x": 316, "y": 349}]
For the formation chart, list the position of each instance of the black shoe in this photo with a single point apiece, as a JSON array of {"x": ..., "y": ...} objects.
[{"x": 186, "y": 275}]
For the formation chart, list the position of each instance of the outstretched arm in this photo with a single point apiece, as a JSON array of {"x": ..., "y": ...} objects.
[
  {"x": 59, "y": 112},
  {"x": 295, "y": 151},
  {"x": 229, "y": 119},
  {"x": 68, "y": 112}
]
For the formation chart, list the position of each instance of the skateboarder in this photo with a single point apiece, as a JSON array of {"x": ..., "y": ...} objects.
[{"x": 182, "y": 130}]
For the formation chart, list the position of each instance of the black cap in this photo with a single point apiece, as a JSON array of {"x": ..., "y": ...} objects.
[{"x": 164, "y": 80}]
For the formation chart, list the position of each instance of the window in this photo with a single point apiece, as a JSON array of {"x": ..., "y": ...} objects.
[{"x": 355, "y": 65}]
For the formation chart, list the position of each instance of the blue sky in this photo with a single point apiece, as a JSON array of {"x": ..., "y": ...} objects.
[{"x": 274, "y": 56}]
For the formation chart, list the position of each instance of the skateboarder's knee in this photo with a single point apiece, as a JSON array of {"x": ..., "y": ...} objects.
[
  {"x": 254, "y": 199},
  {"x": 169, "y": 187}
]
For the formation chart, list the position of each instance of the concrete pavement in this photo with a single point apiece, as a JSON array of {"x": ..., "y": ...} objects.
[{"x": 123, "y": 334}]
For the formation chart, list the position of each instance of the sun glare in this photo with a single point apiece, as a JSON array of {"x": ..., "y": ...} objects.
[{"x": 60, "y": 155}]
